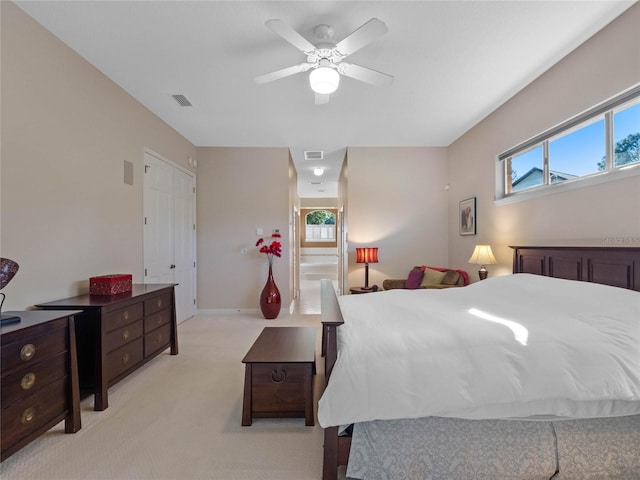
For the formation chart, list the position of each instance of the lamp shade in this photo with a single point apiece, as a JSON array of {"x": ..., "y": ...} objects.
[
  {"x": 482, "y": 255},
  {"x": 324, "y": 80},
  {"x": 367, "y": 255}
]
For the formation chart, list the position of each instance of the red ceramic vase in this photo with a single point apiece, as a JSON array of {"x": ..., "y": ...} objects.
[{"x": 270, "y": 298}]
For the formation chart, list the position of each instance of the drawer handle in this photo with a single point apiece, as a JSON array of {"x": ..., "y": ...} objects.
[
  {"x": 278, "y": 375},
  {"x": 28, "y": 381},
  {"x": 125, "y": 358},
  {"x": 125, "y": 334},
  {"x": 125, "y": 314},
  {"x": 159, "y": 302},
  {"x": 159, "y": 339},
  {"x": 160, "y": 320},
  {"x": 28, "y": 352},
  {"x": 28, "y": 416}
]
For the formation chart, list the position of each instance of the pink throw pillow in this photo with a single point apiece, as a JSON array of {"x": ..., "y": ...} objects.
[{"x": 415, "y": 279}]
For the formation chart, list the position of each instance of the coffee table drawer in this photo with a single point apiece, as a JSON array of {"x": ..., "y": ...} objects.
[
  {"x": 278, "y": 387},
  {"x": 278, "y": 379}
]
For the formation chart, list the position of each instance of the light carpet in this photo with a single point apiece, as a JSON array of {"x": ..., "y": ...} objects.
[{"x": 178, "y": 417}]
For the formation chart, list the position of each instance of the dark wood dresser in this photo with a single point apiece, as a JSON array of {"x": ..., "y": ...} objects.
[
  {"x": 39, "y": 377},
  {"x": 118, "y": 334}
]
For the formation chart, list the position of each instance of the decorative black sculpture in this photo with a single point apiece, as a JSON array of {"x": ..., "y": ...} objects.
[{"x": 8, "y": 269}]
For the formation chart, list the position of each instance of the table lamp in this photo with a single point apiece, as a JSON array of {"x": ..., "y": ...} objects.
[
  {"x": 482, "y": 255},
  {"x": 8, "y": 269},
  {"x": 367, "y": 255}
]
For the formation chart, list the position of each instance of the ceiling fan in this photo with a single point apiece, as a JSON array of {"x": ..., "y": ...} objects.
[{"x": 326, "y": 60}]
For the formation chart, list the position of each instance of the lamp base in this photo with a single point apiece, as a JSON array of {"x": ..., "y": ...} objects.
[
  {"x": 8, "y": 319},
  {"x": 483, "y": 274}
]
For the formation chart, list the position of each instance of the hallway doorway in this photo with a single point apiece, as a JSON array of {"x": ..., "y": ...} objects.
[{"x": 318, "y": 255}]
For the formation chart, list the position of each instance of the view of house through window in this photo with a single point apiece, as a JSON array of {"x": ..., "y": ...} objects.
[{"x": 578, "y": 151}]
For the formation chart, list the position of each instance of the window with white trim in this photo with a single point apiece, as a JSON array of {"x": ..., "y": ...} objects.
[
  {"x": 601, "y": 141},
  {"x": 320, "y": 226}
]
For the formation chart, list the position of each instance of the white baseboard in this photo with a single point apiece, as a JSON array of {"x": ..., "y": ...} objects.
[
  {"x": 228, "y": 311},
  {"x": 243, "y": 311}
]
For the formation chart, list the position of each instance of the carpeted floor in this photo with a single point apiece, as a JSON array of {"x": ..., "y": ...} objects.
[{"x": 179, "y": 418}]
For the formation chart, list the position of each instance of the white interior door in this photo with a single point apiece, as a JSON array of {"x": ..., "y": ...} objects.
[
  {"x": 343, "y": 266},
  {"x": 158, "y": 220},
  {"x": 184, "y": 224},
  {"x": 169, "y": 231}
]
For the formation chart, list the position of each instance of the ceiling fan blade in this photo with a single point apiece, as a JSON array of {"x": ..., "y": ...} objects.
[
  {"x": 290, "y": 35},
  {"x": 365, "y": 74},
  {"x": 364, "y": 35},
  {"x": 322, "y": 98},
  {"x": 278, "y": 74}
]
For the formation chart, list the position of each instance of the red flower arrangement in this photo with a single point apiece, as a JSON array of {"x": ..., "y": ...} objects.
[{"x": 275, "y": 249}]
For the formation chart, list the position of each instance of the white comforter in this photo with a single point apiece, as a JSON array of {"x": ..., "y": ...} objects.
[{"x": 517, "y": 346}]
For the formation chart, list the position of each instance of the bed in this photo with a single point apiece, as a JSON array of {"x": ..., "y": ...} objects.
[{"x": 536, "y": 425}]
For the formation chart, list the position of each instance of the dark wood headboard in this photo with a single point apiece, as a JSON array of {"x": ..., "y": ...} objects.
[{"x": 616, "y": 266}]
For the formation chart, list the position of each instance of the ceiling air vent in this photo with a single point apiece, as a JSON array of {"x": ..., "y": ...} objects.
[
  {"x": 313, "y": 154},
  {"x": 182, "y": 100},
  {"x": 316, "y": 183}
]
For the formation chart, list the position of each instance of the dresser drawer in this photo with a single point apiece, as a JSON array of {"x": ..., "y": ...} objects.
[
  {"x": 123, "y": 316},
  {"x": 156, "y": 320},
  {"x": 32, "y": 412},
  {"x": 32, "y": 349},
  {"x": 124, "y": 358},
  {"x": 155, "y": 304},
  {"x": 31, "y": 379},
  {"x": 123, "y": 335},
  {"x": 157, "y": 340}
]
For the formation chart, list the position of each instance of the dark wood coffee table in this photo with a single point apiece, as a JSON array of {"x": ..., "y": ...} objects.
[{"x": 278, "y": 380}]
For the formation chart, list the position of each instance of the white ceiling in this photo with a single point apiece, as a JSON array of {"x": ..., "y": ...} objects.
[{"x": 454, "y": 63}]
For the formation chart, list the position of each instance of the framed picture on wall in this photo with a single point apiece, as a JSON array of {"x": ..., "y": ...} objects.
[{"x": 468, "y": 216}]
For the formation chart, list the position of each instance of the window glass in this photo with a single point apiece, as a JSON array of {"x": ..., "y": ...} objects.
[
  {"x": 602, "y": 140},
  {"x": 626, "y": 135},
  {"x": 525, "y": 170},
  {"x": 578, "y": 153}
]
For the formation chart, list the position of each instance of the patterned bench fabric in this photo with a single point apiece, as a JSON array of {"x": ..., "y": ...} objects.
[
  {"x": 599, "y": 448},
  {"x": 435, "y": 448}
]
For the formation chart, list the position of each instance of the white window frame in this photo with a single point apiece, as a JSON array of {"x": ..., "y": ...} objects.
[
  {"x": 611, "y": 173},
  {"x": 317, "y": 229}
]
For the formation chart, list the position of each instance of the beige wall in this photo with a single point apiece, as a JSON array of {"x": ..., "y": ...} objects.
[
  {"x": 602, "y": 67},
  {"x": 240, "y": 190},
  {"x": 318, "y": 202},
  {"x": 66, "y": 213},
  {"x": 405, "y": 215}
]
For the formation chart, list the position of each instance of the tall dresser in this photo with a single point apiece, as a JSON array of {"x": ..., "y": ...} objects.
[
  {"x": 39, "y": 385},
  {"x": 118, "y": 334}
]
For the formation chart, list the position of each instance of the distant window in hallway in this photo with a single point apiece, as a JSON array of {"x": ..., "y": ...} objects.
[{"x": 319, "y": 228}]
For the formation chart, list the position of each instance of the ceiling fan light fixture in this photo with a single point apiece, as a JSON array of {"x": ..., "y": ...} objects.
[{"x": 324, "y": 80}]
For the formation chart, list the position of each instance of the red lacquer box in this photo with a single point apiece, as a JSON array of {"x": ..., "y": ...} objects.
[{"x": 110, "y": 284}]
